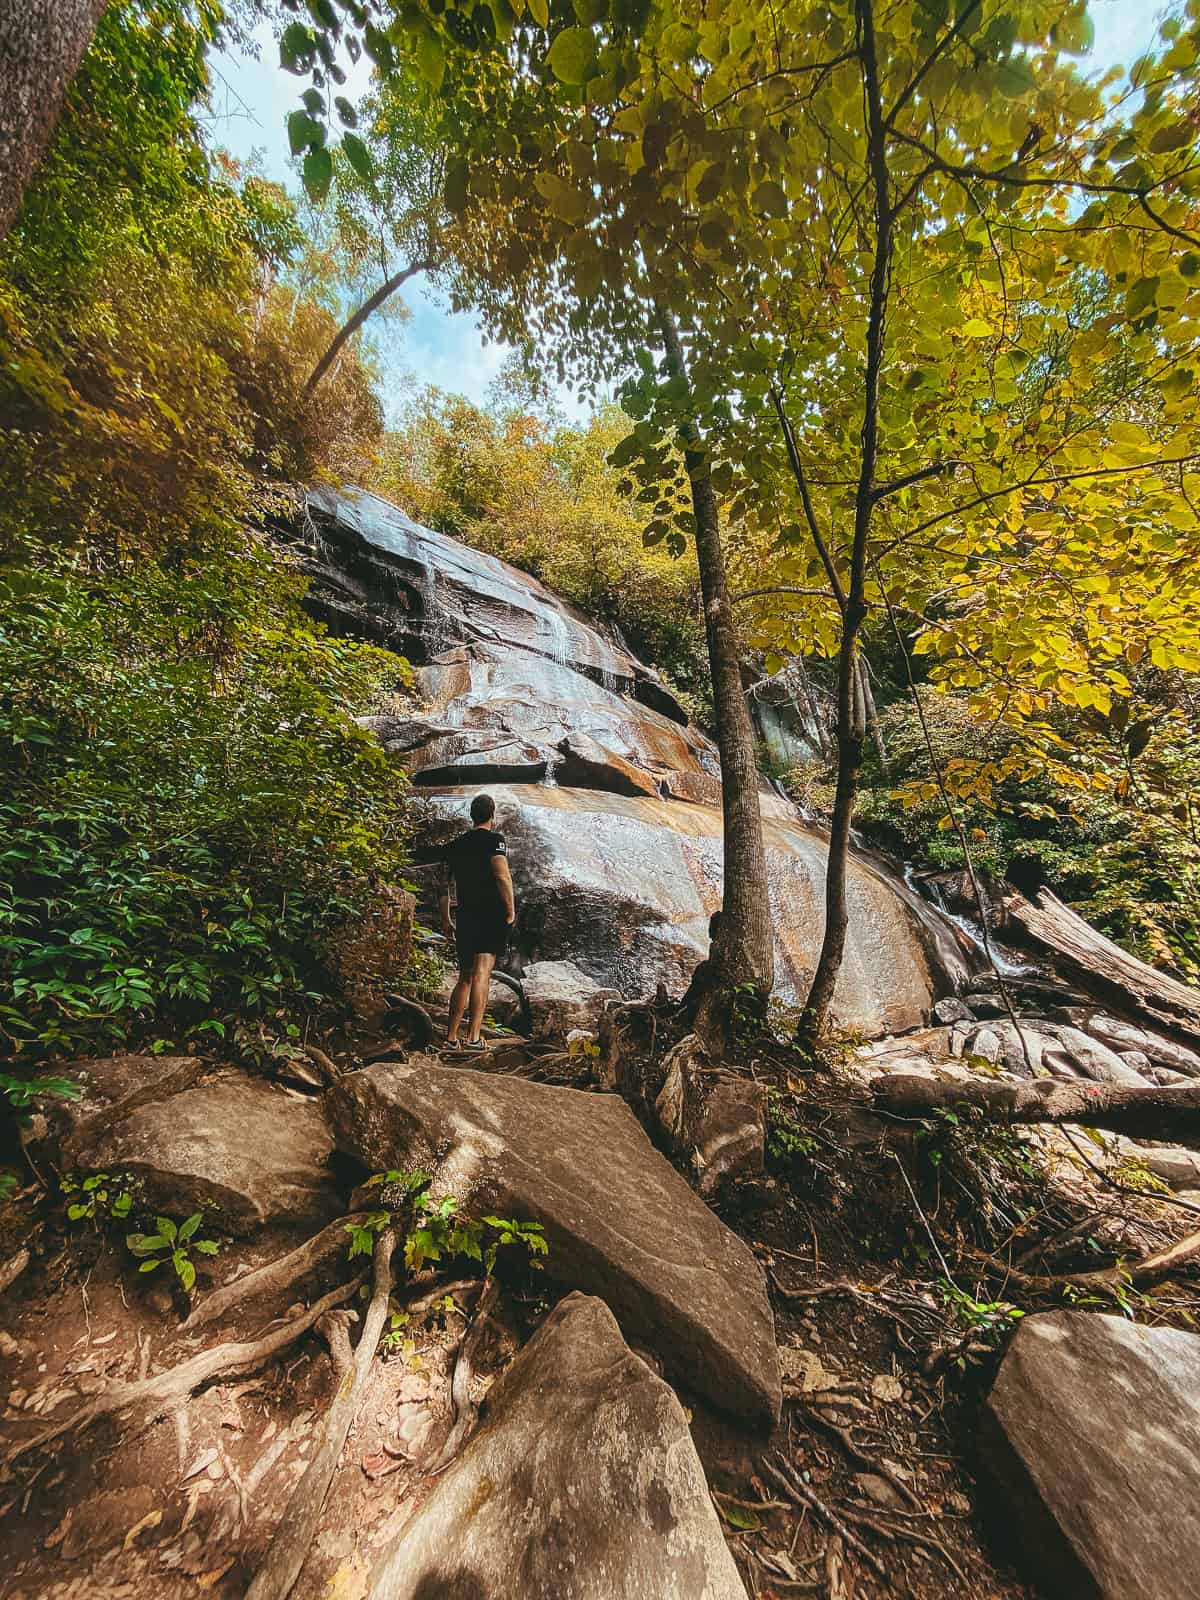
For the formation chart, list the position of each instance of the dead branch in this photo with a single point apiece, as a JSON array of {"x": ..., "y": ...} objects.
[
  {"x": 12, "y": 1269},
  {"x": 797, "y": 1490},
  {"x": 275, "y": 1275},
  {"x": 329, "y": 1068},
  {"x": 174, "y": 1386},
  {"x": 1166, "y": 1114},
  {"x": 1153, "y": 1268},
  {"x": 861, "y": 1457},
  {"x": 292, "y": 1539},
  {"x": 465, "y": 1409}
]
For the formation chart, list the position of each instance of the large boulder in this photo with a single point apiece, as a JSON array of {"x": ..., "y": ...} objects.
[
  {"x": 581, "y": 1484},
  {"x": 610, "y": 798},
  {"x": 619, "y": 1220},
  {"x": 715, "y": 1119},
  {"x": 1093, "y": 1434},
  {"x": 243, "y": 1151},
  {"x": 623, "y": 886},
  {"x": 561, "y": 997}
]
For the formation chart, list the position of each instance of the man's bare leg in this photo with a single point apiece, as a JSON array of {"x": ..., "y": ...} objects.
[
  {"x": 481, "y": 982},
  {"x": 458, "y": 1005}
]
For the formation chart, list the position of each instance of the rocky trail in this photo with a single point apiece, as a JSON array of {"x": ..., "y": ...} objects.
[{"x": 596, "y": 1315}]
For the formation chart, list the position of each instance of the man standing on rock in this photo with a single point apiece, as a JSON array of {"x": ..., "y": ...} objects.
[{"x": 478, "y": 862}]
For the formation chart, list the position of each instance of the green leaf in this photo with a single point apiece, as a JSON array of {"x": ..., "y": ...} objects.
[
  {"x": 431, "y": 59},
  {"x": 187, "y": 1274},
  {"x": 77, "y": 1211},
  {"x": 167, "y": 1228},
  {"x": 149, "y": 1266},
  {"x": 539, "y": 10},
  {"x": 1174, "y": 137},
  {"x": 206, "y": 1247},
  {"x": 770, "y": 199},
  {"x": 1015, "y": 78},
  {"x": 296, "y": 47},
  {"x": 739, "y": 1517},
  {"x": 358, "y": 156},
  {"x": 977, "y": 328},
  {"x": 188, "y": 1228},
  {"x": 346, "y": 111},
  {"x": 571, "y": 55},
  {"x": 304, "y": 131},
  {"x": 318, "y": 173}
]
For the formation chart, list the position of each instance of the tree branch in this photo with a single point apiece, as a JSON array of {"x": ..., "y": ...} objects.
[{"x": 350, "y": 328}]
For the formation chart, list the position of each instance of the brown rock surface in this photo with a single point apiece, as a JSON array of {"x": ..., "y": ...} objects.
[
  {"x": 619, "y": 1220},
  {"x": 581, "y": 1484},
  {"x": 1093, "y": 1432}
]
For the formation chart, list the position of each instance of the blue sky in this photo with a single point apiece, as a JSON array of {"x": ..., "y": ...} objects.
[{"x": 252, "y": 97}]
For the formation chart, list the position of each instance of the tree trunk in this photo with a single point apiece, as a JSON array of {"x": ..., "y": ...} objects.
[
  {"x": 745, "y": 951},
  {"x": 851, "y": 709},
  {"x": 354, "y": 323},
  {"x": 1100, "y": 966},
  {"x": 42, "y": 43},
  {"x": 1171, "y": 1115}
]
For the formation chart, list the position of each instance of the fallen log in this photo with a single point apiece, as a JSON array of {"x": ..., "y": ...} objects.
[
  {"x": 1170, "y": 1115},
  {"x": 1100, "y": 966}
]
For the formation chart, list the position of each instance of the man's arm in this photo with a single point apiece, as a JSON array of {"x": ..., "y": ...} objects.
[{"x": 504, "y": 883}]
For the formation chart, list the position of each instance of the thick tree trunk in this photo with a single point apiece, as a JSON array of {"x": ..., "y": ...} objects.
[
  {"x": 851, "y": 726},
  {"x": 1100, "y": 966},
  {"x": 1169, "y": 1115},
  {"x": 351, "y": 326},
  {"x": 745, "y": 951},
  {"x": 42, "y": 43}
]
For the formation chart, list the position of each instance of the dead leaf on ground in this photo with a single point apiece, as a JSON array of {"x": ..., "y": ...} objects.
[
  {"x": 886, "y": 1388},
  {"x": 150, "y": 1520},
  {"x": 208, "y": 1580},
  {"x": 805, "y": 1369}
]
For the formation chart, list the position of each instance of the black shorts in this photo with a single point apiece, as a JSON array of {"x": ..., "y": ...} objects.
[{"x": 479, "y": 933}]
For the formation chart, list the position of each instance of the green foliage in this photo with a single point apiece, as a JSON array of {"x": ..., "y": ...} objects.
[
  {"x": 1110, "y": 821},
  {"x": 175, "y": 1243},
  {"x": 100, "y": 1195},
  {"x": 435, "y": 1231},
  {"x": 187, "y": 809},
  {"x": 787, "y": 1137},
  {"x": 543, "y": 495},
  {"x": 989, "y": 1321}
]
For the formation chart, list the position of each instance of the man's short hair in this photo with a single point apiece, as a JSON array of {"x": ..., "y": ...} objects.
[{"x": 483, "y": 808}]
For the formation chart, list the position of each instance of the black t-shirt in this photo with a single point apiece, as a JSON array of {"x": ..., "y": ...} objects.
[{"x": 469, "y": 858}]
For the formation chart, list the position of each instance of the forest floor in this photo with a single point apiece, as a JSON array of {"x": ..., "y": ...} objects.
[{"x": 889, "y": 1335}]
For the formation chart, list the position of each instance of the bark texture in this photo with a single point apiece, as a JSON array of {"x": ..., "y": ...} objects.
[
  {"x": 745, "y": 951},
  {"x": 42, "y": 43},
  {"x": 1171, "y": 1114},
  {"x": 1098, "y": 964}
]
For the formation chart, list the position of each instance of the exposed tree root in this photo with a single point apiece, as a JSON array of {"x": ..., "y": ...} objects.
[
  {"x": 275, "y": 1275},
  {"x": 465, "y": 1409},
  {"x": 1171, "y": 1115},
  {"x": 796, "y": 1489},
  {"x": 1150, "y": 1269},
  {"x": 12, "y": 1269},
  {"x": 292, "y": 1539},
  {"x": 172, "y": 1387}
]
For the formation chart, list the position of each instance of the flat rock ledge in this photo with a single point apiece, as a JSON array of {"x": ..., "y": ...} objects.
[
  {"x": 619, "y": 1220},
  {"x": 581, "y": 1484},
  {"x": 1092, "y": 1431}
]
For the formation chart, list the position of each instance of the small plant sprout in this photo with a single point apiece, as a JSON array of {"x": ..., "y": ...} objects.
[
  {"x": 437, "y": 1230},
  {"x": 174, "y": 1244},
  {"x": 97, "y": 1196}
]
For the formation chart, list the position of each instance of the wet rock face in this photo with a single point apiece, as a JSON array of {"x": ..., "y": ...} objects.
[
  {"x": 582, "y": 1484},
  {"x": 628, "y": 1227},
  {"x": 1093, "y": 1433},
  {"x": 610, "y": 800}
]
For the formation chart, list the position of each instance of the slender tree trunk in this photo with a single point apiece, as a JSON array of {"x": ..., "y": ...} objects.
[
  {"x": 354, "y": 323},
  {"x": 42, "y": 43},
  {"x": 851, "y": 714},
  {"x": 745, "y": 948}
]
